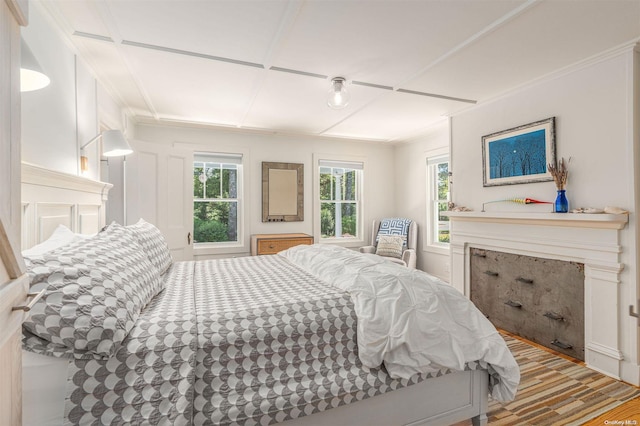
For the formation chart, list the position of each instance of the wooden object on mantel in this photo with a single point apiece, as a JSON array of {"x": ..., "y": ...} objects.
[{"x": 274, "y": 243}]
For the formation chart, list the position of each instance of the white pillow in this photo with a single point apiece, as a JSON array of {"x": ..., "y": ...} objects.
[
  {"x": 390, "y": 246},
  {"x": 61, "y": 236}
]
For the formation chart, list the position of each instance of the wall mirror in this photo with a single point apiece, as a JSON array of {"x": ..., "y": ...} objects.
[{"x": 282, "y": 192}]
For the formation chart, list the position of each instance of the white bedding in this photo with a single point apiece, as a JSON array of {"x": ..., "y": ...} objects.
[
  {"x": 44, "y": 387},
  {"x": 409, "y": 320}
]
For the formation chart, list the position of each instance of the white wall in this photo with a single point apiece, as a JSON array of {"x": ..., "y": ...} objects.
[
  {"x": 60, "y": 118},
  {"x": 411, "y": 193},
  {"x": 379, "y": 172},
  {"x": 595, "y": 113},
  {"x": 49, "y": 114}
]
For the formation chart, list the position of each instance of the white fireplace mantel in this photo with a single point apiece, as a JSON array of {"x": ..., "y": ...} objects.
[
  {"x": 591, "y": 239},
  {"x": 578, "y": 220}
]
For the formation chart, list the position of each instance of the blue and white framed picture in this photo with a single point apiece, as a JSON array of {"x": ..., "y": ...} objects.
[{"x": 519, "y": 155}]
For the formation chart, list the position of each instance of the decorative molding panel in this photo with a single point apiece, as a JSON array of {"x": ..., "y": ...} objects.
[{"x": 51, "y": 198}]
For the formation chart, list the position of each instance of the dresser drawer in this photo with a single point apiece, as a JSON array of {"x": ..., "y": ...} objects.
[{"x": 263, "y": 244}]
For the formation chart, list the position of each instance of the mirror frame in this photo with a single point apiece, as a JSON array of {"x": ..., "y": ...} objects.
[{"x": 298, "y": 194}]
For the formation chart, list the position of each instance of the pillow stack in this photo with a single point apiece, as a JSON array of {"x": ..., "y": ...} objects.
[{"x": 95, "y": 288}]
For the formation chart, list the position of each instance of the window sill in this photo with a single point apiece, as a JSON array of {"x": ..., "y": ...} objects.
[
  {"x": 343, "y": 242},
  {"x": 204, "y": 249},
  {"x": 443, "y": 250}
]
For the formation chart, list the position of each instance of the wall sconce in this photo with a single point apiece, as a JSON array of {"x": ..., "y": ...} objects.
[
  {"x": 31, "y": 75},
  {"x": 338, "y": 95},
  {"x": 113, "y": 145}
]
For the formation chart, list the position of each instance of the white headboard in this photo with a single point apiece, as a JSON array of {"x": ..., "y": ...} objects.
[{"x": 51, "y": 198}]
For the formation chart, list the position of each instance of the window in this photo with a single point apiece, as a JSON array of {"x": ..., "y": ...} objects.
[
  {"x": 216, "y": 197},
  {"x": 438, "y": 179},
  {"x": 340, "y": 205}
]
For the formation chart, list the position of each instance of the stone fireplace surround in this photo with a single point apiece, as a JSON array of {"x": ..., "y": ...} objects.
[{"x": 590, "y": 239}]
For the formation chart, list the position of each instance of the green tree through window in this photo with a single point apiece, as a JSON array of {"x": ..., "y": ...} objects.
[
  {"x": 339, "y": 199},
  {"x": 439, "y": 200},
  {"x": 215, "y": 198}
]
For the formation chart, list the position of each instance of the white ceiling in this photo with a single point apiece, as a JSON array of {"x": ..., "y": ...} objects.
[{"x": 212, "y": 62}]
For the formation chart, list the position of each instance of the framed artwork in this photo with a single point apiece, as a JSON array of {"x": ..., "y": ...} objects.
[{"x": 519, "y": 155}]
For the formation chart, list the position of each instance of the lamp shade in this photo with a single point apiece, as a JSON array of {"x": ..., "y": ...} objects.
[
  {"x": 31, "y": 75},
  {"x": 338, "y": 97},
  {"x": 114, "y": 144}
]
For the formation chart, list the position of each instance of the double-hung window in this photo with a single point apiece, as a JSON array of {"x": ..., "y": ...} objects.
[
  {"x": 438, "y": 187},
  {"x": 216, "y": 197},
  {"x": 340, "y": 199}
]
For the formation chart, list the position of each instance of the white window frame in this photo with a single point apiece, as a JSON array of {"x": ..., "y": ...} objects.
[
  {"x": 431, "y": 242},
  {"x": 209, "y": 248},
  {"x": 340, "y": 161}
]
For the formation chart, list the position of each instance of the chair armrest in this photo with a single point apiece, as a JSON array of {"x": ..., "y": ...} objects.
[
  {"x": 368, "y": 249},
  {"x": 409, "y": 257}
]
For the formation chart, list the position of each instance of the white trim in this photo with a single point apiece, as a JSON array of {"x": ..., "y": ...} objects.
[
  {"x": 243, "y": 243},
  {"x": 577, "y": 220},
  {"x": 216, "y": 247},
  {"x": 20, "y": 11},
  {"x": 351, "y": 165},
  {"x": 318, "y": 158},
  {"x": 50, "y": 198},
  {"x": 428, "y": 243},
  {"x": 36, "y": 175},
  {"x": 593, "y": 240}
]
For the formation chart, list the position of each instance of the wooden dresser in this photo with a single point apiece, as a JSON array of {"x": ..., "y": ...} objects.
[
  {"x": 539, "y": 299},
  {"x": 274, "y": 243}
]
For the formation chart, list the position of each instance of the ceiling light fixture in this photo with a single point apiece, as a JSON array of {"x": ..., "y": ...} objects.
[
  {"x": 338, "y": 94},
  {"x": 31, "y": 75}
]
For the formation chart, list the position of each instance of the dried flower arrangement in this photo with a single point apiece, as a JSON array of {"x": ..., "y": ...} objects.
[{"x": 560, "y": 173}]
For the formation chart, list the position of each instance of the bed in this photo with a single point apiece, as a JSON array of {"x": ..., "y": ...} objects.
[{"x": 314, "y": 335}]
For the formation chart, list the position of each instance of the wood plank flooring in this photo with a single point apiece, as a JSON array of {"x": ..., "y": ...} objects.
[{"x": 627, "y": 414}]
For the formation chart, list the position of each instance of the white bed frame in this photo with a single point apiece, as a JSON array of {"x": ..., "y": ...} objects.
[{"x": 51, "y": 198}]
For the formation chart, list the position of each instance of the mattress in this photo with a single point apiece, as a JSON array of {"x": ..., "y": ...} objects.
[
  {"x": 254, "y": 340},
  {"x": 44, "y": 386}
]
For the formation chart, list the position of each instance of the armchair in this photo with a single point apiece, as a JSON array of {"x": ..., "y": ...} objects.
[{"x": 395, "y": 239}]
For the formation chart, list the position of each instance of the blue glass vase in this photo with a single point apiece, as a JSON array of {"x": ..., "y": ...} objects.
[{"x": 562, "y": 204}]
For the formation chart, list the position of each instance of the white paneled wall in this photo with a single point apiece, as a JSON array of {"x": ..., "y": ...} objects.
[{"x": 378, "y": 184}]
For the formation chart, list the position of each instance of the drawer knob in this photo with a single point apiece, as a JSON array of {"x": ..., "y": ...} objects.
[
  {"x": 524, "y": 280},
  {"x": 271, "y": 246},
  {"x": 554, "y": 316},
  {"x": 513, "y": 304},
  {"x": 491, "y": 273},
  {"x": 561, "y": 345}
]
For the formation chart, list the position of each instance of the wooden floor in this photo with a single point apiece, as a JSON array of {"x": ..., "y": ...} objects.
[{"x": 627, "y": 414}]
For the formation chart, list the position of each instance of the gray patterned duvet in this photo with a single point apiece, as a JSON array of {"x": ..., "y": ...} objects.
[{"x": 235, "y": 341}]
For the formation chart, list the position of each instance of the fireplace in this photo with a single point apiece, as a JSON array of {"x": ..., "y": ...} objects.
[
  {"x": 588, "y": 240},
  {"x": 539, "y": 299}
]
